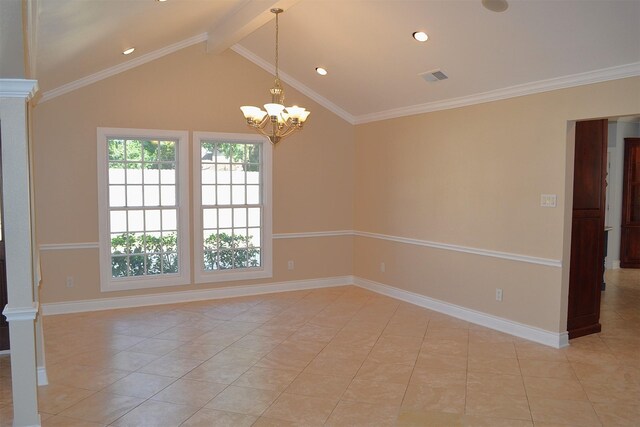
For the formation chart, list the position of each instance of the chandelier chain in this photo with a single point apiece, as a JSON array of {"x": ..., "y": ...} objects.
[{"x": 277, "y": 74}]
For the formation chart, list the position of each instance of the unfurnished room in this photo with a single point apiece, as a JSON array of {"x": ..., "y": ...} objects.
[{"x": 319, "y": 213}]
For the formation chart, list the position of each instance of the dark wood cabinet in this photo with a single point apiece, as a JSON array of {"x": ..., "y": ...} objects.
[
  {"x": 587, "y": 244},
  {"x": 630, "y": 233}
]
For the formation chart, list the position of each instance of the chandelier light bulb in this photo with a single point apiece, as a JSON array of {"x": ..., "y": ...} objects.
[
  {"x": 295, "y": 112},
  {"x": 274, "y": 109}
]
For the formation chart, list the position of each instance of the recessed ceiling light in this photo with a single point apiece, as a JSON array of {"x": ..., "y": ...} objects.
[
  {"x": 321, "y": 71},
  {"x": 161, "y": 1},
  {"x": 128, "y": 51},
  {"x": 495, "y": 5},
  {"x": 421, "y": 36}
]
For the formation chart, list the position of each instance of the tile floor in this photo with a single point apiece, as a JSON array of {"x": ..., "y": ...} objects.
[{"x": 336, "y": 357}]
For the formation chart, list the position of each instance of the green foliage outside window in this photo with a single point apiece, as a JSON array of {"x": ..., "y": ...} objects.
[
  {"x": 223, "y": 251},
  {"x": 129, "y": 252},
  {"x": 139, "y": 154},
  {"x": 248, "y": 154}
]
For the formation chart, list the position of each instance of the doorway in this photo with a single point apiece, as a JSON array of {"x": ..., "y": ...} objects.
[
  {"x": 597, "y": 194},
  {"x": 630, "y": 235}
]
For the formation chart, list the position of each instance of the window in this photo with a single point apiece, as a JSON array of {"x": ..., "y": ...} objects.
[
  {"x": 232, "y": 208},
  {"x": 143, "y": 208}
]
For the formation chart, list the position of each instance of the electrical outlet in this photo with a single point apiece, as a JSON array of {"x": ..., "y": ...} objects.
[
  {"x": 70, "y": 283},
  {"x": 548, "y": 200},
  {"x": 383, "y": 268},
  {"x": 290, "y": 265},
  {"x": 498, "y": 294}
]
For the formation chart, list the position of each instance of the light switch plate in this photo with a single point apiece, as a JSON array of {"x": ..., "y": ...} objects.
[{"x": 548, "y": 200}]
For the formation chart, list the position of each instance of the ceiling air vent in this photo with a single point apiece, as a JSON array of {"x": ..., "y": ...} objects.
[{"x": 433, "y": 76}]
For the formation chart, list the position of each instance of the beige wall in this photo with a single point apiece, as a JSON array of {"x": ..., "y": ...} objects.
[
  {"x": 470, "y": 177},
  {"x": 473, "y": 177},
  {"x": 195, "y": 91}
]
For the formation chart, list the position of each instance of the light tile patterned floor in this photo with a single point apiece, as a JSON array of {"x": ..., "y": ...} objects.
[{"x": 335, "y": 357}]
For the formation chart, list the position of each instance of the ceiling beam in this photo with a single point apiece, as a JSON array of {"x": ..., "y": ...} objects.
[{"x": 242, "y": 21}]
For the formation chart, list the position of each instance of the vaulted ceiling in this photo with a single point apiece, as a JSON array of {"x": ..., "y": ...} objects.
[{"x": 374, "y": 64}]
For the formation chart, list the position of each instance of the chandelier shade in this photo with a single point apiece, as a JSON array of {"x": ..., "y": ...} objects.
[{"x": 276, "y": 121}]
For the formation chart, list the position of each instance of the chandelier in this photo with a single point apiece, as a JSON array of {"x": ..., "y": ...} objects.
[{"x": 278, "y": 121}]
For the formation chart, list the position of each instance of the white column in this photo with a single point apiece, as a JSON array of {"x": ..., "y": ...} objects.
[{"x": 21, "y": 311}]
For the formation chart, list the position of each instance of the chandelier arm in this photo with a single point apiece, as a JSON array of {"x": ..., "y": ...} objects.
[
  {"x": 288, "y": 131},
  {"x": 264, "y": 122}
]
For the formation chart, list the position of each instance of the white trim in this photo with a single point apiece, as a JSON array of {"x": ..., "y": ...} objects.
[
  {"x": 579, "y": 79},
  {"x": 589, "y": 77},
  {"x": 36, "y": 425},
  {"x": 418, "y": 242},
  {"x": 20, "y": 313},
  {"x": 531, "y": 333},
  {"x": 3, "y": 352},
  {"x": 68, "y": 246},
  {"x": 465, "y": 249},
  {"x": 43, "y": 379},
  {"x": 192, "y": 295},
  {"x": 553, "y": 339},
  {"x": 18, "y": 88},
  {"x": 313, "y": 234},
  {"x": 117, "y": 69},
  {"x": 107, "y": 283},
  {"x": 615, "y": 264},
  {"x": 300, "y": 87},
  {"x": 266, "y": 185}
]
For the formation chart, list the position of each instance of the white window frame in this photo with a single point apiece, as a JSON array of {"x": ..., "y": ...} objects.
[
  {"x": 266, "y": 269},
  {"x": 183, "y": 277}
]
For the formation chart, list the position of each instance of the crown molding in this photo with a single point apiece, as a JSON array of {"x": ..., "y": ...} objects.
[
  {"x": 597, "y": 76},
  {"x": 300, "y": 87},
  {"x": 589, "y": 77},
  {"x": 117, "y": 69},
  {"x": 18, "y": 88}
]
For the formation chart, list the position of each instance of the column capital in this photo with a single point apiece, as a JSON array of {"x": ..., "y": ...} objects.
[
  {"x": 18, "y": 88},
  {"x": 21, "y": 313}
]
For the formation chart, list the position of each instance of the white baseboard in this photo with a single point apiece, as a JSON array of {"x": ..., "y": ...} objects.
[
  {"x": 41, "y": 372},
  {"x": 612, "y": 264},
  {"x": 193, "y": 295},
  {"x": 531, "y": 333},
  {"x": 42, "y": 376}
]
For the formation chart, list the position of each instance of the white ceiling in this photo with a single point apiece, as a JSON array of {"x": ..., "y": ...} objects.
[{"x": 366, "y": 45}]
